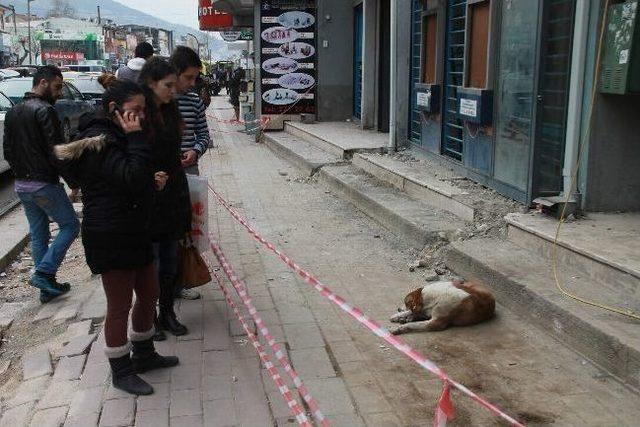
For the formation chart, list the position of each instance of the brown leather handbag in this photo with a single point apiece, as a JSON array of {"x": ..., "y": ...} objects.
[{"x": 195, "y": 271}]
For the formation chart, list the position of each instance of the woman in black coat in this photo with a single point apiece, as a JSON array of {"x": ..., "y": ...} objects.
[
  {"x": 171, "y": 219},
  {"x": 112, "y": 161}
]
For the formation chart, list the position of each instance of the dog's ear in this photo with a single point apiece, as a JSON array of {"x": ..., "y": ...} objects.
[{"x": 413, "y": 301}]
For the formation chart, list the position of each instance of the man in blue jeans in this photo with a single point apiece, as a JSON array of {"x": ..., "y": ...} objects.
[{"x": 32, "y": 129}]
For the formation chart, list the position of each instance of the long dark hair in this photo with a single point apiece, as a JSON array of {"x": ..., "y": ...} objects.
[
  {"x": 117, "y": 91},
  {"x": 166, "y": 116}
]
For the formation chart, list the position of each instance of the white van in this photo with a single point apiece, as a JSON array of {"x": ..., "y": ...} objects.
[{"x": 5, "y": 105}]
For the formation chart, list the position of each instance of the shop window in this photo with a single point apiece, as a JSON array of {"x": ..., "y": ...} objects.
[
  {"x": 429, "y": 43},
  {"x": 479, "y": 14}
]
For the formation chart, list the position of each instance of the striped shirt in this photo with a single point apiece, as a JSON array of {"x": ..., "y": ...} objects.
[{"x": 195, "y": 135}]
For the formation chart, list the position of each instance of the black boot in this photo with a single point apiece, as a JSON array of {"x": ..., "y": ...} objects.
[
  {"x": 145, "y": 358},
  {"x": 168, "y": 319},
  {"x": 159, "y": 335},
  {"x": 125, "y": 378}
]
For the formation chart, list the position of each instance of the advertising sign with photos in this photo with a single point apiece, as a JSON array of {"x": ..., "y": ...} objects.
[{"x": 288, "y": 33}]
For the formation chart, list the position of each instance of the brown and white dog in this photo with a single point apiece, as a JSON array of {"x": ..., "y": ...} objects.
[{"x": 439, "y": 305}]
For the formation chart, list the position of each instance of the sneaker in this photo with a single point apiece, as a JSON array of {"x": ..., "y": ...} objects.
[
  {"x": 189, "y": 294},
  {"x": 45, "y": 283},
  {"x": 46, "y": 296}
]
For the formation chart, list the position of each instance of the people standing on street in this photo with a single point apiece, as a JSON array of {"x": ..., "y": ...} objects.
[
  {"x": 235, "y": 87},
  {"x": 131, "y": 71},
  {"x": 112, "y": 161},
  {"x": 31, "y": 131},
  {"x": 171, "y": 217},
  {"x": 195, "y": 134}
]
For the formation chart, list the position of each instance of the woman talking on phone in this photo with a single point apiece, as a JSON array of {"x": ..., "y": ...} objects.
[
  {"x": 112, "y": 161},
  {"x": 172, "y": 208}
]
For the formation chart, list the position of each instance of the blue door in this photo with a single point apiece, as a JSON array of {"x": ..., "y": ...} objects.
[
  {"x": 415, "y": 121},
  {"x": 357, "y": 61},
  {"x": 452, "y": 126}
]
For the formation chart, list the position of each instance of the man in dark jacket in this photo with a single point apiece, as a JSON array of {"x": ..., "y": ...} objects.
[{"x": 32, "y": 128}]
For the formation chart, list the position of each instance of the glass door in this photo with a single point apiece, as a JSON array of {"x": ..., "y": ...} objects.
[{"x": 515, "y": 92}]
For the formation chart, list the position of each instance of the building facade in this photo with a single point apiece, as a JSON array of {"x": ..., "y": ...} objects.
[{"x": 502, "y": 91}]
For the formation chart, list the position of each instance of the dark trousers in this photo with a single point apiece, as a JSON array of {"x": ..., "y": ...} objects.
[
  {"x": 119, "y": 286},
  {"x": 166, "y": 256}
]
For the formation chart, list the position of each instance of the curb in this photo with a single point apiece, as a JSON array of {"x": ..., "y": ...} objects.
[{"x": 517, "y": 279}]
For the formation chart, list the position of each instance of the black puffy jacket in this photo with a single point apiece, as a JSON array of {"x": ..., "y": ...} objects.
[
  {"x": 115, "y": 174},
  {"x": 31, "y": 130}
]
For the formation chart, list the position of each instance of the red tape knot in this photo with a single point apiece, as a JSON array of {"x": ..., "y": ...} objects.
[{"x": 445, "y": 411}]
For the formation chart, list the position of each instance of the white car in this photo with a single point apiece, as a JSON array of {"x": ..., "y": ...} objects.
[{"x": 5, "y": 105}]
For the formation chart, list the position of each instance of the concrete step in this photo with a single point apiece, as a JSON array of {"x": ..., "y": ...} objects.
[
  {"x": 303, "y": 155},
  {"x": 602, "y": 247},
  {"x": 523, "y": 282},
  {"x": 408, "y": 218},
  {"x": 420, "y": 183},
  {"x": 339, "y": 138}
]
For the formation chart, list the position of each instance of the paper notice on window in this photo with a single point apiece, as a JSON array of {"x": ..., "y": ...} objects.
[
  {"x": 469, "y": 107},
  {"x": 424, "y": 99},
  {"x": 624, "y": 56}
]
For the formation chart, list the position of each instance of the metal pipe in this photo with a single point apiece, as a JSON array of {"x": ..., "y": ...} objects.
[
  {"x": 392, "y": 76},
  {"x": 29, "y": 30},
  {"x": 576, "y": 88}
]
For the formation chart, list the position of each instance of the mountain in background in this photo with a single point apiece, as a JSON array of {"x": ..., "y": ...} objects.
[{"x": 122, "y": 15}]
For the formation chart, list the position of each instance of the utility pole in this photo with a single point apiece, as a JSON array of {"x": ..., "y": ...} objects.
[
  {"x": 99, "y": 18},
  {"x": 29, "y": 30},
  {"x": 15, "y": 27}
]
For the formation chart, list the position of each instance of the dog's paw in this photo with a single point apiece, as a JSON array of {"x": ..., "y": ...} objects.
[{"x": 397, "y": 331}]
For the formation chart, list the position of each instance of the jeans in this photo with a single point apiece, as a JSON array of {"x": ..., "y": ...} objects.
[
  {"x": 50, "y": 202},
  {"x": 166, "y": 255}
]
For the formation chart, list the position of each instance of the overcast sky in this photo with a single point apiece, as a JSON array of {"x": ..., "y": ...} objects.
[{"x": 178, "y": 11}]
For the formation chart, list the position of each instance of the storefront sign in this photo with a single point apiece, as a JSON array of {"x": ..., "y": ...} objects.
[
  {"x": 62, "y": 56},
  {"x": 211, "y": 19},
  {"x": 288, "y": 56},
  {"x": 244, "y": 34}
]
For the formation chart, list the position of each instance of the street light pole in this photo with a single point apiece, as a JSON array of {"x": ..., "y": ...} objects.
[{"x": 29, "y": 29}]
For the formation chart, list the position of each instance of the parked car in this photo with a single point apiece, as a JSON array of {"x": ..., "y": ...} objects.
[
  {"x": 25, "y": 71},
  {"x": 5, "y": 105},
  {"x": 88, "y": 85},
  {"x": 88, "y": 68},
  {"x": 70, "y": 107},
  {"x": 6, "y": 73}
]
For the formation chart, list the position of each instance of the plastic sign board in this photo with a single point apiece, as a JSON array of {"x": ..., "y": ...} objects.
[
  {"x": 288, "y": 56},
  {"x": 211, "y": 19}
]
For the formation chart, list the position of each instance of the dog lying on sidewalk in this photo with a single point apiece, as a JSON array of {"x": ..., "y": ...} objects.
[{"x": 439, "y": 305}]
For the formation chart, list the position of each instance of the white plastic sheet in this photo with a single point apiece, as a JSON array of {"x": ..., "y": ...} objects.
[{"x": 199, "y": 192}]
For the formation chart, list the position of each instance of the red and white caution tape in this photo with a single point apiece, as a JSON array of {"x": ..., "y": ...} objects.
[
  {"x": 292, "y": 403},
  {"x": 444, "y": 410},
  {"x": 241, "y": 290}
]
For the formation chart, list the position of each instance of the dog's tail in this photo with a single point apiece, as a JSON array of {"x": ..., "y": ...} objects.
[{"x": 482, "y": 298}]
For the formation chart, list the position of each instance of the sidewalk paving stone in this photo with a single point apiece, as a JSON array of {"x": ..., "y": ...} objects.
[
  {"x": 77, "y": 329},
  {"x": 86, "y": 402},
  {"x": 217, "y": 387},
  {"x": 152, "y": 418},
  {"x": 36, "y": 363},
  {"x": 17, "y": 416},
  {"x": 303, "y": 335},
  {"x": 189, "y": 352},
  {"x": 29, "y": 391},
  {"x": 185, "y": 402},
  {"x": 312, "y": 363},
  {"x": 77, "y": 346},
  {"x": 191, "y": 421},
  {"x": 68, "y": 312},
  {"x": 95, "y": 376},
  {"x": 383, "y": 419},
  {"x": 83, "y": 421},
  {"x": 59, "y": 393},
  {"x": 220, "y": 412},
  {"x": 8, "y": 313},
  {"x": 53, "y": 417},
  {"x": 70, "y": 368},
  {"x": 217, "y": 363},
  {"x": 186, "y": 377},
  {"x": 158, "y": 400},
  {"x": 118, "y": 412},
  {"x": 332, "y": 396}
]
